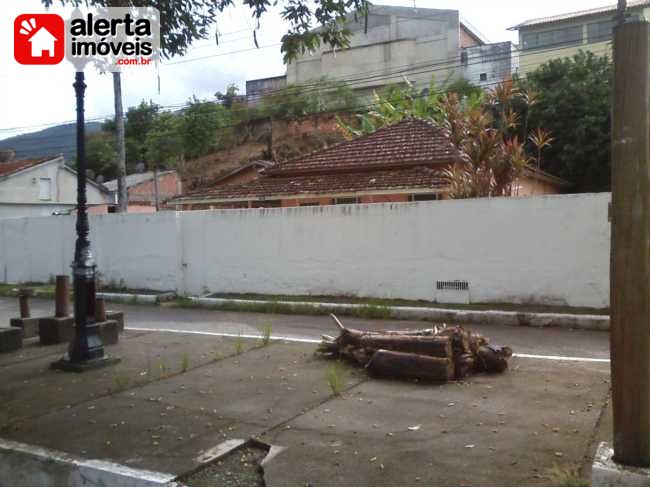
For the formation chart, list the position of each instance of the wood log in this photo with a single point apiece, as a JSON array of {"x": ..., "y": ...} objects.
[
  {"x": 464, "y": 365},
  {"x": 407, "y": 366},
  {"x": 493, "y": 359},
  {"x": 433, "y": 346}
]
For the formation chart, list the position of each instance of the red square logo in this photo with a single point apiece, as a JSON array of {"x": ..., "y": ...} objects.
[{"x": 39, "y": 39}]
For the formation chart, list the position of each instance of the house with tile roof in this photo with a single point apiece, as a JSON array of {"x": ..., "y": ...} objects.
[
  {"x": 44, "y": 186},
  {"x": 141, "y": 189},
  {"x": 564, "y": 35},
  {"x": 397, "y": 163}
]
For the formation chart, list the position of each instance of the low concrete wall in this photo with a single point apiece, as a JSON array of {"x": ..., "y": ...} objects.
[
  {"x": 546, "y": 250},
  {"x": 31, "y": 466}
]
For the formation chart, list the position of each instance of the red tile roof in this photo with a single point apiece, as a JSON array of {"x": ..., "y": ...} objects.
[
  {"x": 411, "y": 142},
  {"x": 336, "y": 183},
  {"x": 11, "y": 167}
]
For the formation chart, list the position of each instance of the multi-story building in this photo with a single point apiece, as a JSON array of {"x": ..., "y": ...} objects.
[
  {"x": 559, "y": 36},
  {"x": 397, "y": 43}
]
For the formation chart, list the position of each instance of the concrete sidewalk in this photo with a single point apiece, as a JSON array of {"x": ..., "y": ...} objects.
[{"x": 175, "y": 396}]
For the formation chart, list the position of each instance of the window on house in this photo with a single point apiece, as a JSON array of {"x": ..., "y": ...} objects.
[
  {"x": 309, "y": 204},
  {"x": 424, "y": 197},
  {"x": 346, "y": 201},
  {"x": 557, "y": 37},
  {"x": 483, "y": 77},
  {"x": 45, "y": 189},
  {"x": 600, "y": 31}
]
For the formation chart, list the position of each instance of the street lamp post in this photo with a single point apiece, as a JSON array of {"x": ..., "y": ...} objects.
[{"x": 86, "y": 350}]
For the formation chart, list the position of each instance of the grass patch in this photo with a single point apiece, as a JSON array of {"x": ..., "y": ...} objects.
[
  {"x": 567, "y": 477},
  {"x": 336, "y": 374},
  {"x": 164, "y": 370},
  {"x": 185, "y": 363},
  {"x": 41, "y": 290},
  {"x": 275, "y": 307},
  {"x": 265, "y": 331},
  {"x": 239, "y": 345},
  {"x": 379, "y": 302},
  {"x": 120, "y": 380}
]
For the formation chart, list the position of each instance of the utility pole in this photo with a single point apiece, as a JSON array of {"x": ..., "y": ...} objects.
[{"x": 630, "y": 245}]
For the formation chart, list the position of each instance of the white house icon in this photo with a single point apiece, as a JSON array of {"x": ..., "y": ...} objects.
[{"x": 42, "y": 41}]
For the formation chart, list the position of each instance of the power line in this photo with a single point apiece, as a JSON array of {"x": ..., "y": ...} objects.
[
  {"x": 363, "y": 108},
  {"x": 444, "y": 65}
]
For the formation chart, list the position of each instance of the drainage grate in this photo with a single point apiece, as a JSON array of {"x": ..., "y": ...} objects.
[{"x": 452, "y": 285}]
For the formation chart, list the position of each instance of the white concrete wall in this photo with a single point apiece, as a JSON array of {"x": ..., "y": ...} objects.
[{"x": 546, "y": 249}]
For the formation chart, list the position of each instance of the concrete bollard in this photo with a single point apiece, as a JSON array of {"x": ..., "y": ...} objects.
[
  {"x": 100, "y": 310},
  {"x": 23, "y": 302},
  {"x": 62, "y": 302}
]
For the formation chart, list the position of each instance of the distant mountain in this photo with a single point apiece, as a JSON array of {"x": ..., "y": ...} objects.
[{"x": 61, "y": 139}]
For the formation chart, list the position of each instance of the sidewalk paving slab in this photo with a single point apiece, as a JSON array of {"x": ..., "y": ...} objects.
[
  {"x": 501, "y": 430},
  {"x": 28, "y": 379},
  {"x": 264, "y": 386}
]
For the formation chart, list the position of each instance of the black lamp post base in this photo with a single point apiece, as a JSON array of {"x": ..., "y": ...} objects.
[{"x": 69, "y": 366}]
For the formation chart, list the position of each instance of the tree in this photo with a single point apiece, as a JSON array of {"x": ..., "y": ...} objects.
[
  {"x": 228, "y": 98},
  {"x": 163, "y": 146},
  {"x": 199, "y": 123},
  {"x": 139, "y": 121},
  {"x": 164, "y": 142},
  {"x": 573, "y": 102},
  {"x": 483, "y": 126},
  {"x": 296, "y": 101},
  {"x": 100, "y": 154},
  {"x": 182, "y": 23}
]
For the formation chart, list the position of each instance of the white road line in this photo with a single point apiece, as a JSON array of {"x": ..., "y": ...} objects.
[
  {"x": 559, "y": 358},
  {"x": 562, "y": 358}
]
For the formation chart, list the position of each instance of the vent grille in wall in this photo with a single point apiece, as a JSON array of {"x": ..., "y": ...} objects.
[{"x": 452, "y": 285}]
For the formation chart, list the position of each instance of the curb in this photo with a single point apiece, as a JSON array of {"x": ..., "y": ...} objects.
[
  {"x": 489, "y": 317},
  {"x": 32, "y": 466},
  {"x": 136, "y": 298}
]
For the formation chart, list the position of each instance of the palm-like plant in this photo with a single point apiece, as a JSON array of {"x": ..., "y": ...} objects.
[{"x": 540, "y": 139}]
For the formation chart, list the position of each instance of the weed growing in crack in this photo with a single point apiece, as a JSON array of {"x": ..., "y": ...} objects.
[
  {"x": 265, "y": 331},
  {"x": 185, "y": 362},
  {"x": 567, "y": 477},
  {"x": 164, "y": 370},
  {"x": 336, "y": 378},
  {"x": 120, "y": 380},
  {"x": 239, "y": 345}
]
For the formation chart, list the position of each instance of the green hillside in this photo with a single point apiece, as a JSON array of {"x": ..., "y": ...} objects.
[{"x": 60, "y": 139}]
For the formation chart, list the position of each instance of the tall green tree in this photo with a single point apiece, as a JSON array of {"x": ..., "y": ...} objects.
[
  {"x": 183, "y": 22},
  {"x": 199, "y": 124},
  {"x": 100, "y": 155},
  {"x": 573, "y": 102},
  {"x": 139, "y": 122}
]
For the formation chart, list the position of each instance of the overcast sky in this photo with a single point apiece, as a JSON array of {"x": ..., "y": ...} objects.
[{"x": 31, "y": 97}]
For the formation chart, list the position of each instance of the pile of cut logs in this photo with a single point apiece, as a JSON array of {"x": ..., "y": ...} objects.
[{"x": 438, "y": 354}]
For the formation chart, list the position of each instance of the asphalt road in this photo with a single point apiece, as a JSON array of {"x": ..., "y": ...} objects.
[{"x": 523, "y": 340}]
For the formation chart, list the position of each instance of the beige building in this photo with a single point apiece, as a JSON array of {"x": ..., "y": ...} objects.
[
  {"x": 46, "y": 186},
  {"x": 559, "y": 36},
  {"x": 398, "y": 43}
]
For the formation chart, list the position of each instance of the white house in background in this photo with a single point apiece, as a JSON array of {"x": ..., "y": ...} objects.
[
  {"x": 46, "y": 186},
  {"x": 41, "y": 42}
]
